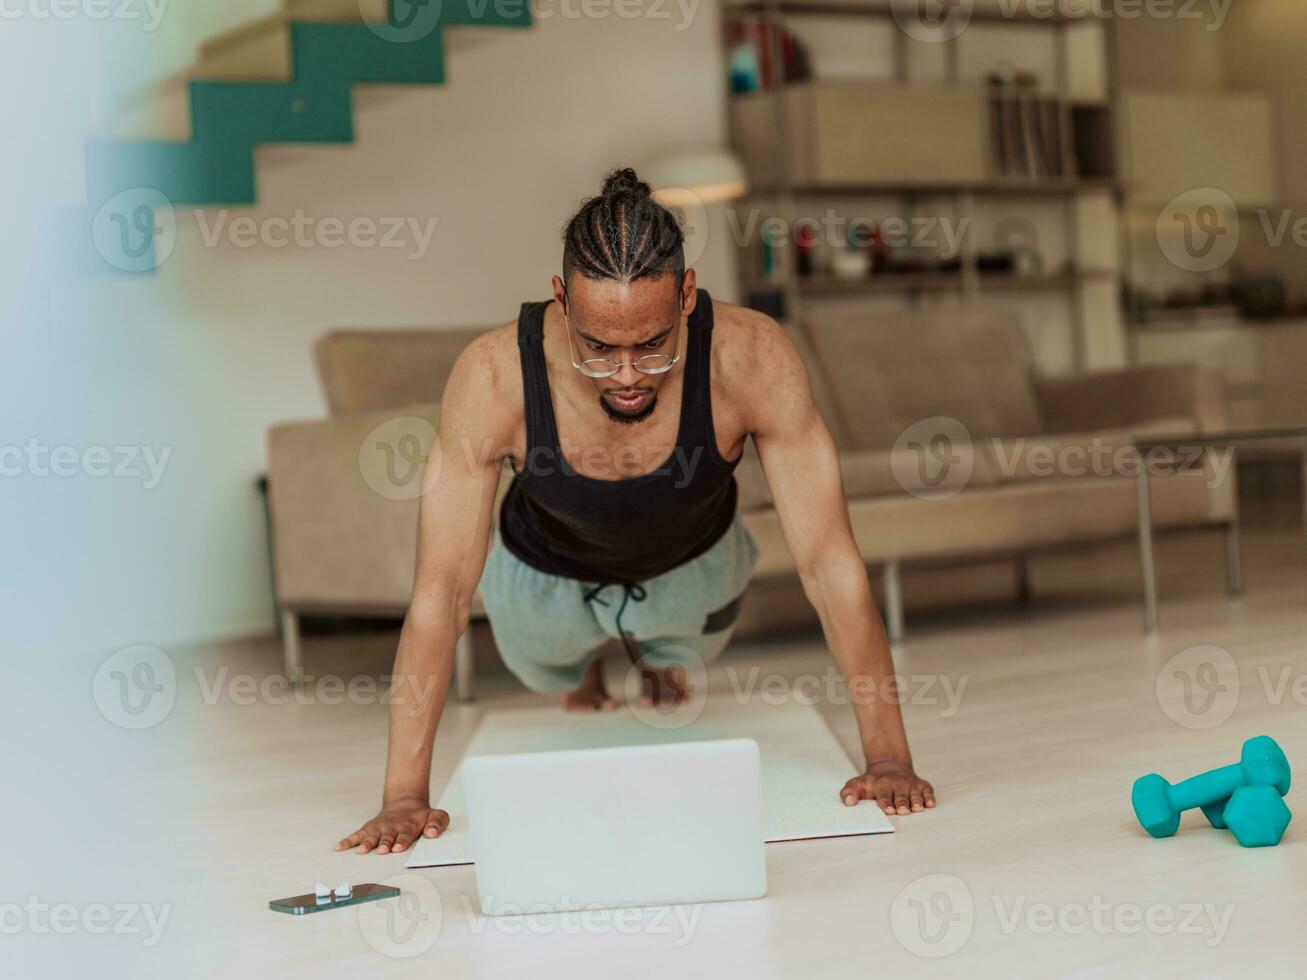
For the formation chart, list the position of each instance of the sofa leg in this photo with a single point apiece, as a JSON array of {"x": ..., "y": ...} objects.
[
  {"x": 1023, "y": 579},
  {"x": 893, "y": 603},
  {"x": 290, "y": 646},
  {"x": 1233, "y": 560},
  {"x": 463, "y": 666}
]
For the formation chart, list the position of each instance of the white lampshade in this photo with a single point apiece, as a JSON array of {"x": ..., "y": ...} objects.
[{"x": 696, "y": 175}]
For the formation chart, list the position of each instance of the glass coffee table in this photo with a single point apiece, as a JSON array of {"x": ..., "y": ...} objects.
[{"x": 1193, "y": 446}]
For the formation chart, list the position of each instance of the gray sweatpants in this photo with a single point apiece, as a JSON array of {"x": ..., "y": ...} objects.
[{"x": 547, "y": 626}]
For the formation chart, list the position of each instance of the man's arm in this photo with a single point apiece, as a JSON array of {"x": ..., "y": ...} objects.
[
  {"x": 460, "y": 479},
  {"x": 800, "y": 462}
]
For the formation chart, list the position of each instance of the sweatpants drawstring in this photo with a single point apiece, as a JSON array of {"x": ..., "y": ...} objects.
[{"x": 633, "y": 590}]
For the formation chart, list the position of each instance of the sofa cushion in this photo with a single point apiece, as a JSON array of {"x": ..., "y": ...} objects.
[
  {"x": 1107, "y": 452},
  {"x": 368, "y": 370},
  {"x": 891, "y": 370},
  {"x": 868, "y": 472}
]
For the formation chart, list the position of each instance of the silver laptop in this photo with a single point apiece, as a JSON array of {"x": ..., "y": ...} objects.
[{"x": 613, "y": 827}]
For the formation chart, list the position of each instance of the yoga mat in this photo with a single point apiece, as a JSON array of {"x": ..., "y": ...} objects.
[{"x": 803, "y": 767}]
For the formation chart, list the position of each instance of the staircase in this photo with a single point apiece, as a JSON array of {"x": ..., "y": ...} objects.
[{"x": 285, "y": 79}]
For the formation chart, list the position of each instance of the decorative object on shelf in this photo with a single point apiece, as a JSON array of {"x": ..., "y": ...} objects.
[
  {"x": 849, "y": 262},
  {"x": 1027, "y": 136},
  {"x": 1018, "y": 237},
  {"x": 769, "y": 301},
  {"x": 867, "y": 237},
  {"x": 1259, "y": 297},
  {"x": 755, "y": 33},
  {"x": 746, "y": 76},
  {"x": 805, "y": 244}
]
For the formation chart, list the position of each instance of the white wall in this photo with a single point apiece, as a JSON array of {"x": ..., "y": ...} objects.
[{"x": 204, "y": 356}]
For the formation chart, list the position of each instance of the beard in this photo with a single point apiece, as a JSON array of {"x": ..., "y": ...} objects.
[{"x": 623, "y": 417}]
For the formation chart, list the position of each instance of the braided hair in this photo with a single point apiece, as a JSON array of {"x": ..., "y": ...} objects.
[{"x": 623, "y": 234}]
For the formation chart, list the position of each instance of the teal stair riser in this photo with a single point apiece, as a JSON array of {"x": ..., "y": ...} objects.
[{"x": 229, "y": 119}]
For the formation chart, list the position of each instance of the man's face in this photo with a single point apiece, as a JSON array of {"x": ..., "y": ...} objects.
[{"x": 622, "y": 322}]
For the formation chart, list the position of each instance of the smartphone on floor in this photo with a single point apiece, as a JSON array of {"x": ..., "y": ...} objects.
[{"x": 304, "y": 904}]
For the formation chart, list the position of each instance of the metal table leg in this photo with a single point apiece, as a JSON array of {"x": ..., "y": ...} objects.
[{"x": 1146, "y": 563}]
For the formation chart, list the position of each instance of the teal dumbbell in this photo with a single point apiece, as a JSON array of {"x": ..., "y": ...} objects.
[{"x": 1253, "y": 819}]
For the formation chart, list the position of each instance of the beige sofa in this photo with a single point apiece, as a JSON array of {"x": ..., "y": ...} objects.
[{"x": 881, "y": 381}]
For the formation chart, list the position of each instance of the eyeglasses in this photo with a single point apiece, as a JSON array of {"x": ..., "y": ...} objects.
[{"x": 603, "y": 367}]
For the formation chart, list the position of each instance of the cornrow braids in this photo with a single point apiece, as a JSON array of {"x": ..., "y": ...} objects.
[{"x": 623, "y": 234}]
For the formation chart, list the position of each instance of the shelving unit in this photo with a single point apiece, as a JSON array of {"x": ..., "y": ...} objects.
[{"x": 814, "y": 138}]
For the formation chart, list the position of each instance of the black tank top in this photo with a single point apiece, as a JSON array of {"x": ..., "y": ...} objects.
[{"x": 617, "y": 531}]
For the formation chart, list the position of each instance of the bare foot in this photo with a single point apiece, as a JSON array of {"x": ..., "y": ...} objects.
[
  {"x": 670, "y": 686},
  {"x": 591, "y": 695}
]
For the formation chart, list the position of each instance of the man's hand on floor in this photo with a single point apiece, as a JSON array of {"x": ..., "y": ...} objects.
[
  {"x": 893, "y": 785},
  {"x": 397, "y": 826}
]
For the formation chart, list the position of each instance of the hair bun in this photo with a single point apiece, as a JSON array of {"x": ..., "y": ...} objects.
[{"x": 625, "y": 181}]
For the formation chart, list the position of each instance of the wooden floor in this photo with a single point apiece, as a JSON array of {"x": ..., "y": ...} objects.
[{"x": 1031, "y": 866}]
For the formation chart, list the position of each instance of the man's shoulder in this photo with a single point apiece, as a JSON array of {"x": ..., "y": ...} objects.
[
  {"x": 746, "y": 342},
  {"x": 486, "y": 376}
]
